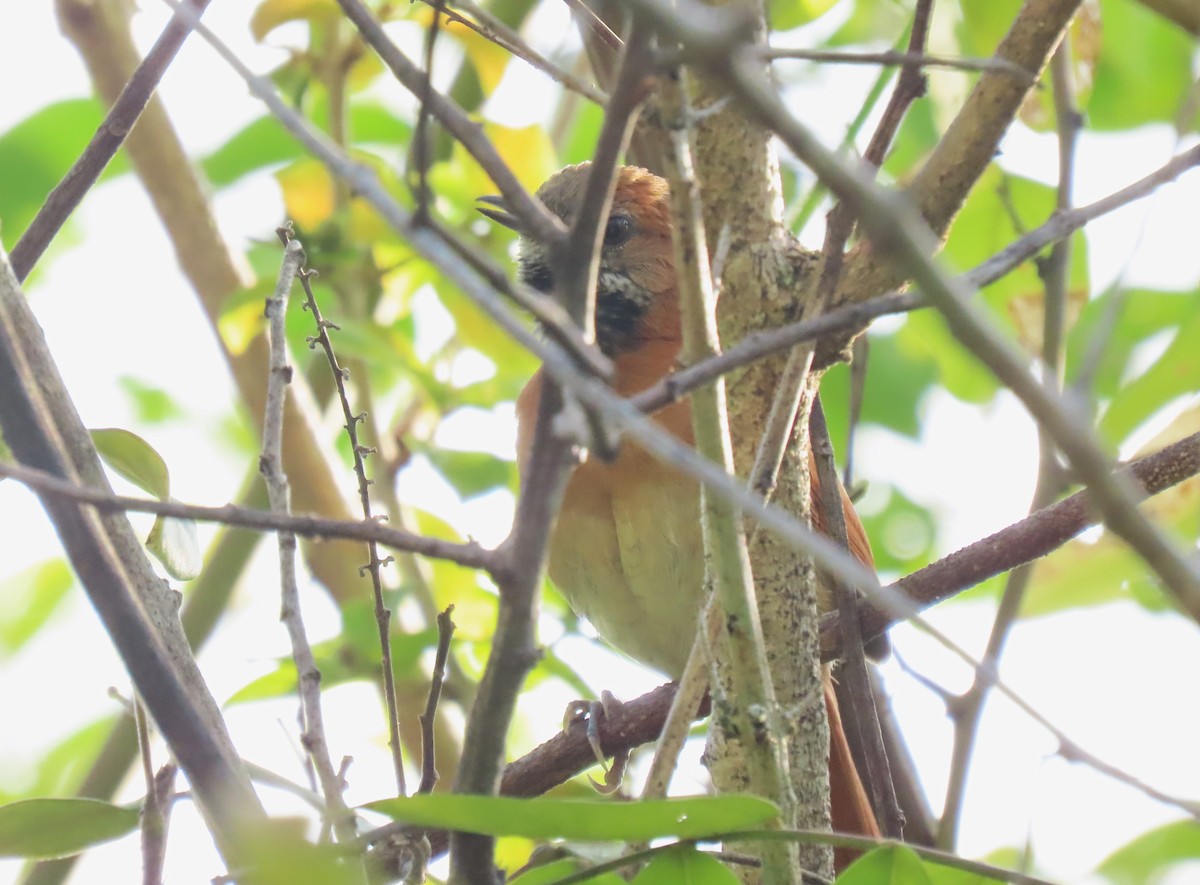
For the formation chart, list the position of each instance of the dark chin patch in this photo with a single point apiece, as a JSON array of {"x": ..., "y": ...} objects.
[
  {"x": 536, "y": 275},
  {"x": 621, "y": 305}
]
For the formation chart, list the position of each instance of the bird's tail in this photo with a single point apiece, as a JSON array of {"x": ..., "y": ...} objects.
[{"x": 850, "y": 807}]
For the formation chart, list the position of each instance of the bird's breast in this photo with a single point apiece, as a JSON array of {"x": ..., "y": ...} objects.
[{"x": 627, "y": 553}]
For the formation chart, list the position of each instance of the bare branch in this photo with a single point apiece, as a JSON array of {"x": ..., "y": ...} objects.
[
  {"x": 494, "y": 30},
  {"x": 140, "y": 613},
  {"x": 1030, "y": 539},
  {"x": 121, "y": 117},
  {"x": 539, "y": 221},
  {"x": 470, "y": 555},
  {"x": 308, "y": 677},
  {"x": 375, "y": 563},
  {"x": 899, "y": 59},
  {"x": 429, "y": 774}
]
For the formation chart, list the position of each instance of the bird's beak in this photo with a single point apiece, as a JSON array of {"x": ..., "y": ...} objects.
[{"x": 500, "y": 214}]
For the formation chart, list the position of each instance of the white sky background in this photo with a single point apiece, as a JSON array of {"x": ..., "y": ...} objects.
[{"x": 110, "y": 310}]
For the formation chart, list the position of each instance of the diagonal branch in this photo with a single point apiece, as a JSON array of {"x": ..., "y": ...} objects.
[
  {"x": 140, "y": 613},
  {"x": 121, "y": 117}
]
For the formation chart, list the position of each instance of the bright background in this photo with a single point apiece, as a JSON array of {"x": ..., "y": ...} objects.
[{"x": 1116, "y": 677}]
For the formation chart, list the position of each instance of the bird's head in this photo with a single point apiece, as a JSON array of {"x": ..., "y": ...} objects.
[{"x": 635, "y": 286}]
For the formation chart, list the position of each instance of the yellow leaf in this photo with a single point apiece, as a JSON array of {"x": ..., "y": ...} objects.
[
  {"x": 488, "y": 59},
  {"x": 527, "y": 151},
  {"x": 308, "y": 192},
  {"x": 270, "y": 14},
  {"x": 240, "y": 325},
  {"x": 1027, "y": 311}
]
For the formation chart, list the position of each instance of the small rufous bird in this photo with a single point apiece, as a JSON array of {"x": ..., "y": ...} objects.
[{"x": 626, "y": 550}]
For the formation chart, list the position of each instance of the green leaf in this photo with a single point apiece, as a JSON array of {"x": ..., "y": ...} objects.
[
  {"x": 280, "y": 855},
  {"x": 30, "y": 597},
  {"x": 1149, "y": 855},
  {"x": 1172, "y": 375},
  {"x": 1144, "y": 70},
  {"x": 339, "y": 662},
  {"x": 264, "y": 142},
  {"x": 48, "y": 828},
  {"x": 872, "y": 21},
  {"x": 37, "y": 152},
  {"x": 152, "y": 404},
  {"x": 788, "y": 14},
  {"x": 685, "y": 865},
  {"x": 902, "y": 534},
  {"x": 270, "y": 14},
  {"x": 591, "y": 821},
  {"x": 173, "y": 542},
  {"x": 134, "y": 459},
  {"x": 62, "y": 767},
  {"x": 999, "y": 209},
  {"x": 941, "y": 875},
  {"x": 985, "y": 24},
  {"x": 472, "y": 473},
  {"x": 897, "y": 380},
  {"x": 1140, "y": 314},
  {"x": 553, "y": 872},
  {"x": 890, "y": 865}
]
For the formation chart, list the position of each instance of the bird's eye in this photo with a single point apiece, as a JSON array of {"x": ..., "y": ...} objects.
[{"x": 618, "y": 230}]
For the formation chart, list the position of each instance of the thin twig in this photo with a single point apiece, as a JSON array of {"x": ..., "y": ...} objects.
[
  {"x": 685, "y": 705},
  {"x": 492, "y": 29},
  {"x": 898, "y": 59},
  {"x": 429, "y": 774},
  {"x": 109, "y": 137},
  {"x": 374, "y": 564},
  {"x": 539, "y": 221},
  {"x": 898, "y": 230},
  {"x": 793, "y": 380},
  {"x": 421, "y": 148},
  {"x": 595, "y": 24},
  {"x": 156, "y": 807},
  {"x": 1031, "y": 538},
  {"x": 308, "y": 677},
  {"x": 469, "y": 555},
  {"x": 967, "y": 710},
  {"x": 1070, "y": 750},
  {"x": 563, "y": 367},
  {"x": 979, "y": 869},
  {"x": 848, "y": 318}
]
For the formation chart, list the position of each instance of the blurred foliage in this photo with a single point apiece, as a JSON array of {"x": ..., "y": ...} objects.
[{"x": 417, "y": 351}]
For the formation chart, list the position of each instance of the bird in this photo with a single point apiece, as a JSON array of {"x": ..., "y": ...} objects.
[{"x": 626, "y": 549}]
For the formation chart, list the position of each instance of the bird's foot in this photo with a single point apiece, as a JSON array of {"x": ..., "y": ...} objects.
[{"x": 591, "y": 713}]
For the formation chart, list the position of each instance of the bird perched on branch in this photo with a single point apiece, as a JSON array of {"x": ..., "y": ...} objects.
[{"x": 626, "y": 550}]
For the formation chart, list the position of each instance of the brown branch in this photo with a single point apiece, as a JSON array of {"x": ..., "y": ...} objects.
[
  {"x": 140, "y": 614},
  {"x": 639, "y": 721},
  {"x": 898, "y": 59},
  {"x": 849, "y": 318},
  {"x": 101, "y": 33},
  {"x": 308, "y": 677},
  {"x": 374, "y": 564},
  {"x": 120, "y": 119},
  {"x": 538, "y": 220},
  {"x": 966, "y": 711},
  {"x": 429, "y": 774},
  {"x": 1027, "y": 540},
  {"x": 470, "y": 555},
  {"x": 492, "y": 29}
]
